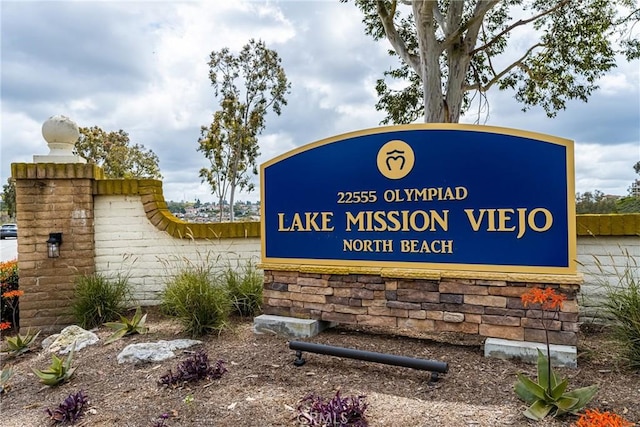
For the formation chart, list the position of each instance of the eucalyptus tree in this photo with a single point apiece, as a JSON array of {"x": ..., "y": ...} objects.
[
  {"x": 453, "y": 50},
  {"x": 113, "y": 152},
  {"x": 247, "y": 85}
]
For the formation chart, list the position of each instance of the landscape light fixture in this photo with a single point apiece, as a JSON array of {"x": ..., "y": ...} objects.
[{"x": 53, "y": 245}]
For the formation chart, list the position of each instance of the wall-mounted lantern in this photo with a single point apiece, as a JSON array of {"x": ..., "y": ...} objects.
[{"x": 53, "y": 245}]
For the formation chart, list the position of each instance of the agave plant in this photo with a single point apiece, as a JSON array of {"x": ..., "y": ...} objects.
[
  {"x": 127, "y": 327},
  {"x": 548, "y": 394},
  {"x": 58, "y": 372},
  {"x": 20, "y": 343}
]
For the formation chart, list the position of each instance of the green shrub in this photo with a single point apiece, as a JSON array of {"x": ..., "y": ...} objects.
[
  {"x": 245, "y": 289},
  {"x": 98, "y": 299},
  {"x": 199, "y": 301},
  {"x": 623, "y": 305}
]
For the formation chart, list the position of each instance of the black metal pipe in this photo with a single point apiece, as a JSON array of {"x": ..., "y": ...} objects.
[{"x": 369, "y": 356}]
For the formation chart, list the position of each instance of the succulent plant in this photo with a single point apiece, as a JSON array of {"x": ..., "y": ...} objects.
[
  {"x": 194, "y": 368},
  {"x": 127, "y": 327},
  {"x": 314, "y": 410},
  {"x": 5, "y": 376},
  {"x": 58, "y": 372},
  {"x": 20, "y": 343},
  {"x": 70, "y": 409}
]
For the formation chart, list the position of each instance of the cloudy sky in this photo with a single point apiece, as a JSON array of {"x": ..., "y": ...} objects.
[{"x": 142, "y": 67}]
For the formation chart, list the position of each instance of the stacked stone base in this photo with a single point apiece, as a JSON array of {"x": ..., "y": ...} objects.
[{"x": 489, "y": 308}]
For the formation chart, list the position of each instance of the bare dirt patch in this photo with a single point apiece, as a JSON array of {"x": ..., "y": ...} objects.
[{"x": 262, "y": 386}]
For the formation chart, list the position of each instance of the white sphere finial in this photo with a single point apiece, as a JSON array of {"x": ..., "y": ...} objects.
[{"x": 61, "y": 134}]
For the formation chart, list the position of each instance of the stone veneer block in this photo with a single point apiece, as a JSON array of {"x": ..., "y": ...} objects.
[
  {"x": 561, "y": 355},
  {"x": 290, "y": 327}
]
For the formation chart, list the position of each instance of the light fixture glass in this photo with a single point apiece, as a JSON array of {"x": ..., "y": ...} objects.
[{"x": 53, "y": 245}]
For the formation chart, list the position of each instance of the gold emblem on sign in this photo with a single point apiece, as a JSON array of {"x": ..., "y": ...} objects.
[{"x": 395, "y": 159}]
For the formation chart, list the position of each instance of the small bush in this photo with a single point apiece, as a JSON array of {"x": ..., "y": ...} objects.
[
  {"x": 314, "y": 410},
  {"x": 245, "y": 289},
  {"x": 193, "y": 369},
  {"x": 199, "y": 303},
  {"x": 623, "y": 305},
  {"x": 98, "y": 299}
]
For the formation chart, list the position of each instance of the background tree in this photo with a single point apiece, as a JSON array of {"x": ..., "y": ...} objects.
[
  {"x": 247, "y": 84},
  {"x": 453, "y": 49},
  {"x": 9, "y": 197},
  {"x": 113, "y": 152},
  {"x": 595, "y": 203}
]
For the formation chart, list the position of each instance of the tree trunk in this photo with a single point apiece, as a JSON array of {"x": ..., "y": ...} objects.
[
  {"x": 429, "y": 62},
  {"x": 232, "y": 193},
  {"x": 458, "y": 64}
]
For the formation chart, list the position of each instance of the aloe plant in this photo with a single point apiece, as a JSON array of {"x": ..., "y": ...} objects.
[
  {"x": 5, "y": 376},
  {"x": 58, "y": 372},
  {"x": 20, "y": 343},
  {"x": 127, "y": 327},
  {"x": 549, "y": 393}
]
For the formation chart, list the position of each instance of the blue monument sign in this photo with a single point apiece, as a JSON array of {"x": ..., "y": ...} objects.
[{"x": 441, "y": 197}]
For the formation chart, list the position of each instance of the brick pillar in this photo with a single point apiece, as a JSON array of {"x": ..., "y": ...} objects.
[{"x": 53, "y": 197}]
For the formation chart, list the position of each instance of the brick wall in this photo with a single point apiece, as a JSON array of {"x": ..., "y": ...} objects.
[
  {"x": 490, "y": 308},
  {"x": 52, "y": 198},
  {"x": 108, "y": 226}
]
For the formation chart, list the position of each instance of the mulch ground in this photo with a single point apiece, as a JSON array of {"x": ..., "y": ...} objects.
[{"x": 262, "y": 386}]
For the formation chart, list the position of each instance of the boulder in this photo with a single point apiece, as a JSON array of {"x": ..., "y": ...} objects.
[
  {"x": 153, "y": 351},
  {"x": 71, "y": 335}
]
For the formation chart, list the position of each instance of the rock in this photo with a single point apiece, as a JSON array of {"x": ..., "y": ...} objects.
[
  {"x": 61, "y": 343},
  {"x": 153, "y": 351}
]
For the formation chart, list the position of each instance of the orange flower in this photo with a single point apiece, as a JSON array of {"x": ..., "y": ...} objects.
[
  {"x": 547, "y": 298},
  {"x": 5, "y": 325},
  {"x": 12, "y": 294},
  {"x": 8, "y": 269},
  {"x": 595, "y": 418}
]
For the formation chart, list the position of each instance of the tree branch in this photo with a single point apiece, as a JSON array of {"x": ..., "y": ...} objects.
[
  {"x": 478, "y": 16},
  {"x": 394, "y": 38},
  {"x": 519, "y": 23},
  {"x": 497, "y": 77},
  {"x": 439, "y": 17}
]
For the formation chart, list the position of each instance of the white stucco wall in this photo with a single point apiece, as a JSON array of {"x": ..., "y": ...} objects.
[
  {"x": 604, "y": 260},
  {"x": 127, "y": 243}
]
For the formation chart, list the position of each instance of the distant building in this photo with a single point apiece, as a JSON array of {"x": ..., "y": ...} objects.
[{"x": 634, "y": 190}]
